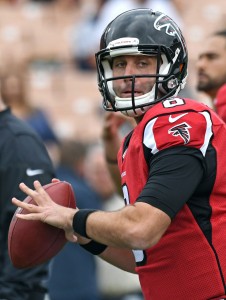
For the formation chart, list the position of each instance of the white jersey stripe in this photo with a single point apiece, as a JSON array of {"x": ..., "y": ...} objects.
[
  {"x": 149, "y": 139},
  {"x": 208, "y": 133}
]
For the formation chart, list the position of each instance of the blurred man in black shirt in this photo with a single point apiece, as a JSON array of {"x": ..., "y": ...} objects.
[{"x": 23, "y": 157}]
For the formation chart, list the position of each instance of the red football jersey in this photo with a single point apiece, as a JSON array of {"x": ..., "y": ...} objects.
[{"x": 184, "y": 264}]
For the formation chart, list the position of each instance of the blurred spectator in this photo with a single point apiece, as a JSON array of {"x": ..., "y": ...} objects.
[
  {"x": 211, "y": 71},
  {"x": 14, "y": 94},
  {"x": 82, "y": 35},
  {"x": 115, "y": 284},
  {"x": 86, "y": 34},
  {"x": 73, "y": 270},
  {"x": 62, "y": 3},
  {"x": 23, "y": 159},
  {"x": 42, "y": 1}
]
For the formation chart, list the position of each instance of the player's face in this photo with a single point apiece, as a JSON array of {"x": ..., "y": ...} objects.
[
  {"x": 211, "y": 65},
  {"x": 133, "y": 65}
]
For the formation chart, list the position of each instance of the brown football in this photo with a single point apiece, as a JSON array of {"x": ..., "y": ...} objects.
[{"x": 31, "y": 243}]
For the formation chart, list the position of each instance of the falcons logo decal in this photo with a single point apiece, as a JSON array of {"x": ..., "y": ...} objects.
[{"x": 182, "y": 131}]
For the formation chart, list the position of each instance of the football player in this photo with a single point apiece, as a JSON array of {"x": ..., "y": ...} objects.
[{"x": 171, "y": 231}]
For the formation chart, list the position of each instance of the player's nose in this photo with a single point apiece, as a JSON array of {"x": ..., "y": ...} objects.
[{"x": 129, "y": 70}]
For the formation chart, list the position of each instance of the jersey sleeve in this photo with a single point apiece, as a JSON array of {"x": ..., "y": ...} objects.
[
  {"x": 174, "y": 175},
  {"x": 191, "y": 129},
  {"x": 176, "y": 144}
]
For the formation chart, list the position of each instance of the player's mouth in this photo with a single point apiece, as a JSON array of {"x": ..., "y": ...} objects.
[{"x": 128, "y": 94}]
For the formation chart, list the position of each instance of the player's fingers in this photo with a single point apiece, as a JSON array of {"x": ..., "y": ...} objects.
[
  {"x": 24, "y": 188},
  {"x": 29, "y": 217},
  {"x": 38, "y": 195},
  {"x": 55, "y": 180},
  {"x": 71, "y": 237},
  {"x": 38, "y": 187},
  {"x": 42, "y": 197},
  {"x": 28, "y": 206}
]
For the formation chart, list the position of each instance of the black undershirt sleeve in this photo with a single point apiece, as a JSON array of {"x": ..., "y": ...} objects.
[{"x": 173, "y": 177}]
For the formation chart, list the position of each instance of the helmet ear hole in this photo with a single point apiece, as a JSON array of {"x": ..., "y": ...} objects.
[{"x": 172, "y": 83}]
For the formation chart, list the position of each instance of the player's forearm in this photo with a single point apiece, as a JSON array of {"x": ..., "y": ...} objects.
[
  {"x": 139, "y": 226},
  {"x": 115, "y": 229},
  {"x": 122, "y": 228}
]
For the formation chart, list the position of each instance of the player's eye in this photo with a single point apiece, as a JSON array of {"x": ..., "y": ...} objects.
[
  {"x": 142, "y": 64},
  {"x": 119, "y": 64}
]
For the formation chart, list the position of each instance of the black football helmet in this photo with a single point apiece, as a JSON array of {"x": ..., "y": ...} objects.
[{"x": 142, "y": 32}]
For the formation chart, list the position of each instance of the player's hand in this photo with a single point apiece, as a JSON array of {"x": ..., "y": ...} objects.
[
  {"x": 111, "y": 135},
  {"x": 112, "y": 122},
  {"x": 46, "y": 210},
  {"x": 111, "y": 125}
]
